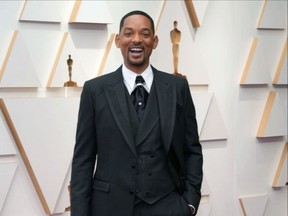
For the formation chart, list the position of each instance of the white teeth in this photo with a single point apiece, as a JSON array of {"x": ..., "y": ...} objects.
[{"x": 136, "y": 49}]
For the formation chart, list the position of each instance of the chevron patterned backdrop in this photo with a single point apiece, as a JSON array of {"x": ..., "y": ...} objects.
[{"x": 233, "y": 53}]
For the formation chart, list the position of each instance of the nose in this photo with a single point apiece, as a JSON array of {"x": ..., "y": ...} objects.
[{"x": 136, "y": 38}]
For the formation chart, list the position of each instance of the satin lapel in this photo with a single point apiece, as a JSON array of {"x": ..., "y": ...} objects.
[
  {"x": 166, "y": 95},
  {"x": 115, "y": 94}
]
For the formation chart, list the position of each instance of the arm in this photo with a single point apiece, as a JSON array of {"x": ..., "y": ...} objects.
[
  {"x": 84, "y": 156},
  {"x": 193, "y": 154}
]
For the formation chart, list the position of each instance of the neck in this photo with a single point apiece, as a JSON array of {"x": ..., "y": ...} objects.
[{"x": 137, "y": 69}]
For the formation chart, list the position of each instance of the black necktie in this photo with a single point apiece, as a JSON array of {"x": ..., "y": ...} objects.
[{"x": 139, "y": 96}]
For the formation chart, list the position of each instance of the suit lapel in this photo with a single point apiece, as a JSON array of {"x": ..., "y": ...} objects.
[
  {"x": 166, "y": 95},
  {"x": 115, "y": 92},
  {"x": 149, "y": 119}
]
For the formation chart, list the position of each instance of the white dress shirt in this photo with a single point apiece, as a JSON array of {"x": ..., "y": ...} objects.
[{"x": 130, "y": 77}]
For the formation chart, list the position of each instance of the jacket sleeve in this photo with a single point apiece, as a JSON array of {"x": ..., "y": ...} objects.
[
  {"x": 192, "y": 153},
  {"x": 84, "y": 157}
]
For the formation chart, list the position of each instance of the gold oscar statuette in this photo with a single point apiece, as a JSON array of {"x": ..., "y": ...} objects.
[
  {"x": 175, "y": 36},
  {"x": 70, "y": 83}
]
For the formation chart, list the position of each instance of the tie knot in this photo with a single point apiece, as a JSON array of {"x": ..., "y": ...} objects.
[{"x": 139, "y": 80}]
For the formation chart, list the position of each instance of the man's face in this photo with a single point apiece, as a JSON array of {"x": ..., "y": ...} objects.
[{"x": 136, "y": 41}]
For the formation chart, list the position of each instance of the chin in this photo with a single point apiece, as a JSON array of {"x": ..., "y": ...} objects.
[{"x": 136, "y": 64}]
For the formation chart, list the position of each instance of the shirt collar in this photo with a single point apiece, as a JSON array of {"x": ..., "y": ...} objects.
[{"x": 130, "y": 76}]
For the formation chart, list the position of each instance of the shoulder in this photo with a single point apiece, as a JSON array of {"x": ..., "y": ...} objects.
[{"x": 102, "y": 80}]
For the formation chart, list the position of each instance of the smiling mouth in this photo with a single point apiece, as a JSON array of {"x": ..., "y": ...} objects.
[{"x": 136, "y": 51}]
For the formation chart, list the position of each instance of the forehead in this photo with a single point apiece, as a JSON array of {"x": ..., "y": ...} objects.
[{"x": 137, "y": 20}]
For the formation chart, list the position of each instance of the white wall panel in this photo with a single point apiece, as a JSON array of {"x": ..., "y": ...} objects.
[
  {"x": 42, "y": 46},
  {"x": 205, "y": 190},
  {"x": 255, "y": 70},
  {"x": 18, "y": 64},
  {"x": 273, "y": 119},
  {"x": 50, "y": 148},
  {"x": 280, "y": 74},
  {"x": 274, "y": 15},
  {"x": 254, "y": 205},
  {"x": 204, "y": 209},
  {"x": 190, "y": 61},
  {"x": 283, "y": 74},
  {"x": 200, "y": 8},
  {"x": 214, "y": 127},
  {"x": 6, "y": 140},
  {"x": 41, "y": 11},
  {"x": 63, "y": 202},
  {"x": 201, "y": 102},
  {"x": 92, "y": 12},
  {"x": 22, "y": 198},
  {"x": 7, "y": 171}
]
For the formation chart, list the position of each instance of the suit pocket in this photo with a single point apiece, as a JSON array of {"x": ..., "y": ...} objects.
[{"x": 101, "y": 185}]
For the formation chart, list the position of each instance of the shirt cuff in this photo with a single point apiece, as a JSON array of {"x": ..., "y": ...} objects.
[{"x": 192, "y": 208}]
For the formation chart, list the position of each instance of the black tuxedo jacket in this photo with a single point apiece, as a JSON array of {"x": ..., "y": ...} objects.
[{"x": 105, "y": 186}]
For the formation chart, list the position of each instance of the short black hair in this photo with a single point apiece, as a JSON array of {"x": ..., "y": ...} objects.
[{"x": 137, "y": 12}]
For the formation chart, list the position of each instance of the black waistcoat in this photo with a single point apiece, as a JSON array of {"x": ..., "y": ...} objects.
[{"x": 153, "y": 178}]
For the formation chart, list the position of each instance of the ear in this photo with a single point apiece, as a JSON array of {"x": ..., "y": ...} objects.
[
  {"x": 155, "y": 42},
  {"x": 117, "y": 41}
]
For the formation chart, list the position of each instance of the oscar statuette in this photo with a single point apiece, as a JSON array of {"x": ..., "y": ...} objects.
[
  {"x": 70, "y": 83},
  {"x": 175, "y": 36}
]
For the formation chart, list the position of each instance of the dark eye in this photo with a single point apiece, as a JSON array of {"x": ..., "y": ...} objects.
[
  {"x": 146, "y": 34},
  {"x": 127, "y": 34}
]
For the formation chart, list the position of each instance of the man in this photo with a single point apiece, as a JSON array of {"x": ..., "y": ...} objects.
[{"x": 149, "y": 161}]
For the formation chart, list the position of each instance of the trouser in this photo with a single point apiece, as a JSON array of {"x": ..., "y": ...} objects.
[{"x": 171, "y": 205}]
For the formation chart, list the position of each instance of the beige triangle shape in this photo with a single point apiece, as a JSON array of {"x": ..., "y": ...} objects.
[
  {"x": 7, "y": 172},
  {"x": 17, "y": 63},
  {"x": 273, "y": 15},
  {"x": 103, "y": 68},
  {"x": 41, "y": 11},
  {"x": 272, "y": 121},
  {"x": 196, "y": 11},
  {"x": 214, "y": 127},
  {"x": 63, "y": 202},
  {"x": 60, "y": 74},
  {"x": 190, "y": 61},
  {"x": 112, "y": 58},
  {"x": 43, "y": 46},
  {"x": 280, "y": 178},
  {"x": 205, "y": 190},
  {"x": 255, "y": 70},
  {"x": 253, "y": 205},
  {"x": 6, "y": 140},
  {"x": 24, "y": 156},
  {"x": 48, "y": 142},
  {"x": 280, "y": 76},
  {"x": 204, "y": 208},
  {"x": 201, "y": 102},
  {"x": 91, "y": 12}
]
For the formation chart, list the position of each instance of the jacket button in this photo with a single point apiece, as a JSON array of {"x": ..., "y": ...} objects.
[{"x": 133, "y": 166}]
